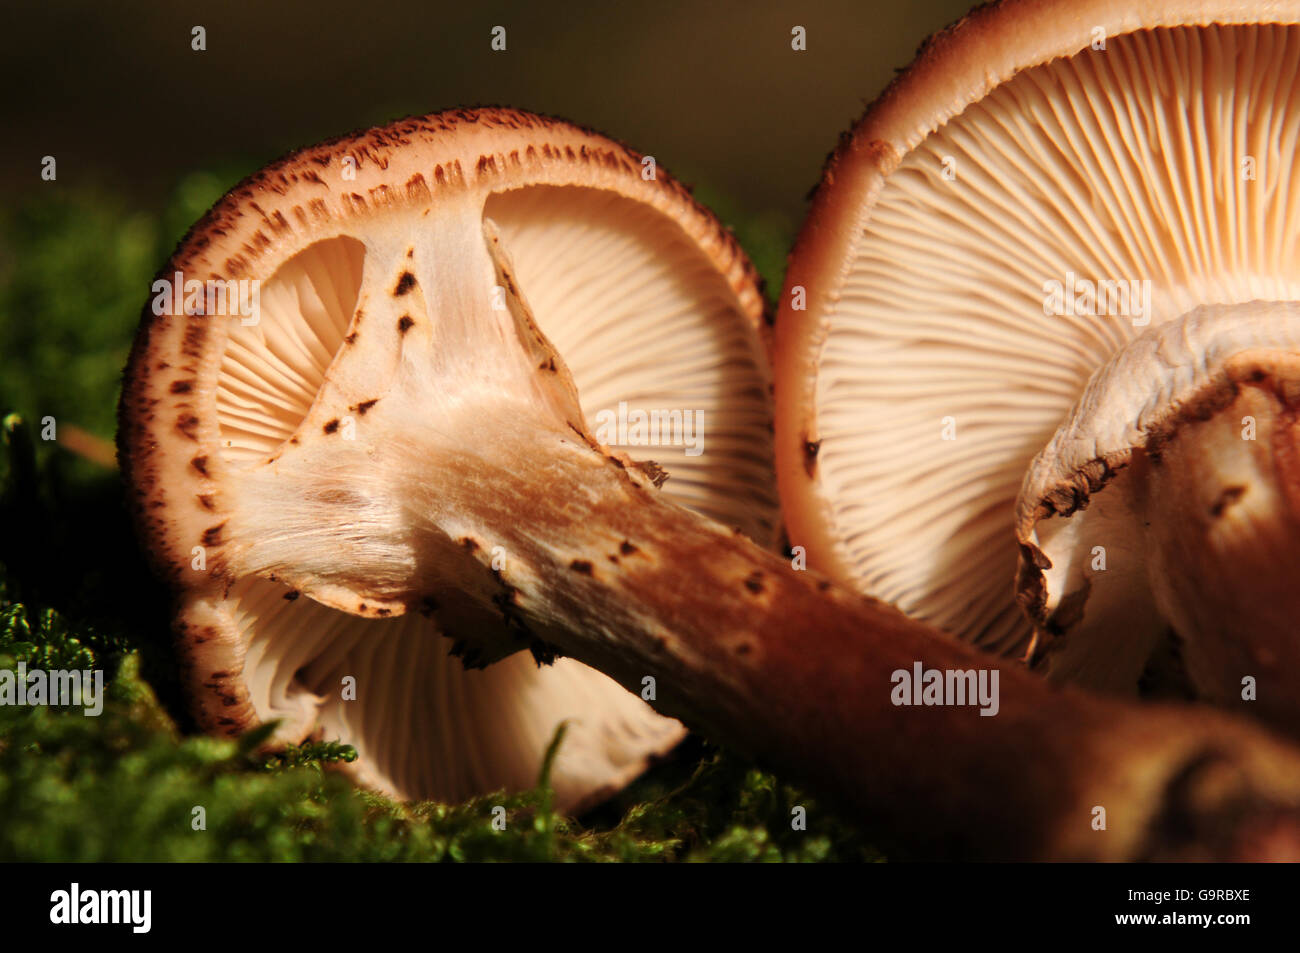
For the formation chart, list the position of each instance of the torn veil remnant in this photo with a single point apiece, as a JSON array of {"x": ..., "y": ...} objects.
[
  {"x": 1079, "y": 212},
  {"x": 400, "y": 438}
]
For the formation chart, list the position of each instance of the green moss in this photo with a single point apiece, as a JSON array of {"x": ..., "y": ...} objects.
[{"x": 74, "y": 593}]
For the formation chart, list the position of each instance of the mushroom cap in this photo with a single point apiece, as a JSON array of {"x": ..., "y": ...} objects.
[
  {"x": 647, "y": 297},
  {"x": 1012, "y": 154}
]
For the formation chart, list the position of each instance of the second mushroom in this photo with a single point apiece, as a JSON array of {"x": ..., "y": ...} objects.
[{"x": 1045, "y": 389}]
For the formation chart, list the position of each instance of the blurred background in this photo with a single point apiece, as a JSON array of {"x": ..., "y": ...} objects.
[
  {"x": 146, "y": 133},
  {"x": 713, "y": 90}
]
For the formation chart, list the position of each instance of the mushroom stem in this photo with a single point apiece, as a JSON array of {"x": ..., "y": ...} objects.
[
  {"x": 1224, "y": 512},
  {"x": 1180, "y": 463},
  {"x": 472, "y": 491},
  {"x": 575, "y": 550}
]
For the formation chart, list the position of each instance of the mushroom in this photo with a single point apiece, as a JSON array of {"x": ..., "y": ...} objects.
[
  {"x": 1060, "y": 206},
  {"x": 653, "y": 315},
  {"x": 425, "y": 453}
]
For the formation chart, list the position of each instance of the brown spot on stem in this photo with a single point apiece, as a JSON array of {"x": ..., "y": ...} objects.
[
  {"x": 332, "y": 426},
  {"x": 626, "y": 548},
  {"x": 201, "y": 464},
  {"x": 182, "y": 387},
  {"x": 755, "y": 582},
  {"x": 365, "y": 405},
  {"x": 1227, "y": 497},
  {"x": 291, "y": 595},
  {"x": 582, "y": 566},
  {"x": 405, "y": 324},
  {"x": 212, "y": 535},
  {"x": 653, "y": 472},
  {"x": 404, "y": 284}
]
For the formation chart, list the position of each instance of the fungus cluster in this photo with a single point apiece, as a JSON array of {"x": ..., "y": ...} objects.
[{"x": 396, "y": 458}]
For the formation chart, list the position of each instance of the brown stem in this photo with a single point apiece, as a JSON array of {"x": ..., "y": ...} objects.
[
  {"x": 785, "y": 667},
  {"x": 475, "y": 494}
]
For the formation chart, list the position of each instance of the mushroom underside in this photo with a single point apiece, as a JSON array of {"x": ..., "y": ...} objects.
[
  {"x": 360, "y": 375},
  {"x": 1006, "y": 256},
  {"x": 1030, "y": 239}
]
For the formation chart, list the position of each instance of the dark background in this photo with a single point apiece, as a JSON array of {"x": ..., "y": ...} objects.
[{"x": 113, "y": 90}]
